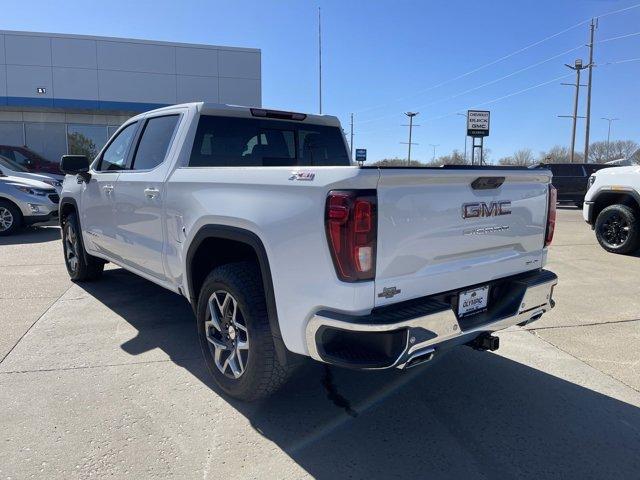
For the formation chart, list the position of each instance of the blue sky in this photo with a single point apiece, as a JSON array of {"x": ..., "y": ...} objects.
[{"x": 381, "y": 58}]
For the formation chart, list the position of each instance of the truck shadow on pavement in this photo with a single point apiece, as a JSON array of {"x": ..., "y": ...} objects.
[{"x": 471, "y": 415}]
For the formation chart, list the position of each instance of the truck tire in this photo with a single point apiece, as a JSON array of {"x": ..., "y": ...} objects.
[
  {"x": 618, "y": 230},
  {"x": 234, "y": 333},
  {"x": 80, "y": 265},
  {"x": 10, "y": 218}
]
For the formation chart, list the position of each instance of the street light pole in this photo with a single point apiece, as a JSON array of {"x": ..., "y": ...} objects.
[
  {"x": 594, "y": 25},
  {"x": 465, "y": 134},
  {"x": 434, "y": 145},
  {"x": 577, "y": 66},
  {"x": 410, "y": 115},
  {"x": 610, "y": 120}
]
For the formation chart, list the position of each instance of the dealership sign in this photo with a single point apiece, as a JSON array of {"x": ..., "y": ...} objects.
[
  {"x": 477, "y": 123},
  {"x": 361, "y": 154}
]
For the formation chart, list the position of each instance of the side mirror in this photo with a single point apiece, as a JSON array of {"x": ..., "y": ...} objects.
[{"x": 75, "y": 165}]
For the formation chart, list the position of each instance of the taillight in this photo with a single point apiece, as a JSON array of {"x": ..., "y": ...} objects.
[
  {"x": 351, "y": 222},
  {"x": 551, "y": 215}
]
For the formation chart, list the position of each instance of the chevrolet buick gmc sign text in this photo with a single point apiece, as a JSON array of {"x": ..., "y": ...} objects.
[{"x": 478, "y": 123}]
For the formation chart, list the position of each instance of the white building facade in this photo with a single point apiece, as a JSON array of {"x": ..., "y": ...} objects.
[{"x": 68, "y": 93}]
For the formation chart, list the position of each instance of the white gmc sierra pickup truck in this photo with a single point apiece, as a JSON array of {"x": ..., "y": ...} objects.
[{"x": 285, "y": 249}]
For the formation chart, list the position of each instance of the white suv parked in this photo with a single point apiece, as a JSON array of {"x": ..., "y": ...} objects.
[{"x": 25, "y": 202}]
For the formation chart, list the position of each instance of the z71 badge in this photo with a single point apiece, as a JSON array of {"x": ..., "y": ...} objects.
[{"x": 303, "y": 176}]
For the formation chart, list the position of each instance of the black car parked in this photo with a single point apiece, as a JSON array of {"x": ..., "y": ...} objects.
[{"x": 570, "y": 179}]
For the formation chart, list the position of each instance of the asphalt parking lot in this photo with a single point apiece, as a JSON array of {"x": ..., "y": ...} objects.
[{"x": 105, "y": 379}]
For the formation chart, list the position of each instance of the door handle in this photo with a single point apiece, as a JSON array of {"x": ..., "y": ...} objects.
[
  {"x": 108, "y": 189},
  {"x": 151, "y": 192}
]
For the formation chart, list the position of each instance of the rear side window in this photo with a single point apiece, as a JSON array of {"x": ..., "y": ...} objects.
[
  {"x": 154, "y": 142},
  {"x": 248, "y": 142}
]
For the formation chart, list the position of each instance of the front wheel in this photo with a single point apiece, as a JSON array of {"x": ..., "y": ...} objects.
[
  {"x": 80, "y": 265},
  {"x": 235, "y": 336},
  {"x": 617, "y": 229}
]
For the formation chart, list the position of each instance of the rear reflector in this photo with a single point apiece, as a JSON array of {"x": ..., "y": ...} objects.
[
  {"x": 551, "y": 215},
  {"x": 351, "y": 225}
]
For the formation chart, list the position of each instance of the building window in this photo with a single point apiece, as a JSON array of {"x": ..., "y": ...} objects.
[
  {"x": 86, "y": 139},
  {"x": 11, "y": 134},
  {"x": 46, "y": 139}
]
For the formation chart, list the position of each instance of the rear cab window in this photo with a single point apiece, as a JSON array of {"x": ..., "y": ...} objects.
[{"x": 251, "y": 142}]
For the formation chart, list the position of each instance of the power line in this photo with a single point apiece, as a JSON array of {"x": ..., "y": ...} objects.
[
  {"x": 498, "y": 60},
  {"x": 459, "y": 94},
  {"x": 513, "y": 94},
  {"x": 622, "y": 61},
  {"x": 634, "y": 34}
]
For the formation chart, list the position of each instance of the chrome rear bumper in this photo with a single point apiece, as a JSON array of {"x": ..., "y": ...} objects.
[{"x": 421, "y": 327}]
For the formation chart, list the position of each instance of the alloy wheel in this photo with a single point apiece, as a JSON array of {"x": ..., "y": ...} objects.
[
  {"x": 71, "y": 248},
  {"x": 227, "y": 334},
  {"x": 615, "y": 230},
  {"x": 6, "y": 219}
]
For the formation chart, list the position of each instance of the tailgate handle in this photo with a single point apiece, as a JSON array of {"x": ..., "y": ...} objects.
[{"x": 487, "y": 183}]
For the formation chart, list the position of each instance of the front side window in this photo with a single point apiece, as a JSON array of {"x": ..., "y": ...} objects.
[
  {"x": 154, "y": 143},
  {"x": 115, "y": 156},
  {"x": 246, "y": 142}
]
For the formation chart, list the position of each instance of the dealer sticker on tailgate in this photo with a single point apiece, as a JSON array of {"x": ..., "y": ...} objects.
[{"x": 471, "y": 301}]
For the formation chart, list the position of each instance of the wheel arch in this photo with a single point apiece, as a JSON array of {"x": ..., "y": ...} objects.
[
  {"x": 69, "y": 205},
  {"x": 238, "y": 243},
  {"x": 8, "y": 200},
  {"x": 605, "y": 198}
]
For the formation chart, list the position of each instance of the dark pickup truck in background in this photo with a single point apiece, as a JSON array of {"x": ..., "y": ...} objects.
[{"x": 570, "y": 179}]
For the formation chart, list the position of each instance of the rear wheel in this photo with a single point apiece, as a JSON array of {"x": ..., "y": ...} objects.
[
  {"x": 617, "y": 229},
  {"x": 234, "y": 332},
  {"x": 80, "y": 265},
  {"x": 10, "y": 218}
]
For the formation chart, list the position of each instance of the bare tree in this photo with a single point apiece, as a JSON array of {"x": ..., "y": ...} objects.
[
  {"x": 521, "y": 158},
  {"x": 622, "y": 149},
  {"x": 598, "y": 152},
  {"x": 558, "y": 154},
  {"x": 454, "y": 158},
  {"x": 397, "y": 162}
]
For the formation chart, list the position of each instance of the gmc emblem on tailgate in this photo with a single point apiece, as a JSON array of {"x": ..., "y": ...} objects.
[{"x": 482, "y": 209}]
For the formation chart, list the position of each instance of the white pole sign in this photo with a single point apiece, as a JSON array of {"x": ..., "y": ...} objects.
[{"x": 478, "y": 123}]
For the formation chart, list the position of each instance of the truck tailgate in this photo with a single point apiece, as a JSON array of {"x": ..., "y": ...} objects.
[{"x": 427, "y": 246}]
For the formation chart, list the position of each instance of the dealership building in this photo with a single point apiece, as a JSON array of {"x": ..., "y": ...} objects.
[{"x": 68, "y": 93}]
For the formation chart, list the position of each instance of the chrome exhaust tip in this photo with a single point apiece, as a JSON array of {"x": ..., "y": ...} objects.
[{"x": 419, "y": 359}]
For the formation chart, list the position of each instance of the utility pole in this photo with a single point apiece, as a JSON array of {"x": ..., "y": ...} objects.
[
  {"x": 594, "y": 25},
  {"x": 465, "y": 135},
  {"x": 411, "y": 125},
  {"x": 577, "y": 66},
  {"x": 610, "y": 120},
  {"x": 434, "y": 149},
  {"x": 320, "y": 60},
  {"x": 351, "y": 143}
]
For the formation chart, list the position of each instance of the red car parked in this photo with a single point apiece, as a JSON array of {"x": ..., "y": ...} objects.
[{"x": 30, "y": 160}]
